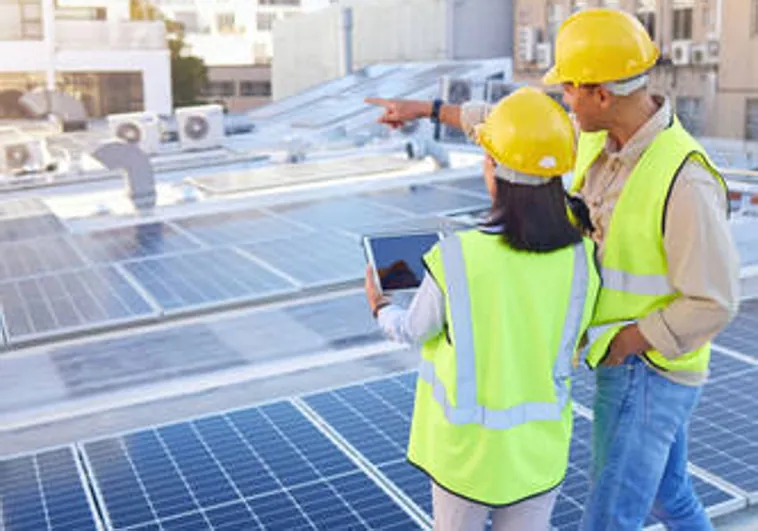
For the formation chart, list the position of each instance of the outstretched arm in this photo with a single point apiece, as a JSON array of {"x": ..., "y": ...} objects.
[{"x": 397, "y": 112}]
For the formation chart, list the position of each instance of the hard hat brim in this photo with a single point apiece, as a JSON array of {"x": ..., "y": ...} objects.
[{"x": 552, "y": 77}]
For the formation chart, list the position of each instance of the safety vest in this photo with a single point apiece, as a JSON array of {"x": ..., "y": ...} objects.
[
  {"x": 492, "y": 416},
  {"x": 634, "y": 266}
]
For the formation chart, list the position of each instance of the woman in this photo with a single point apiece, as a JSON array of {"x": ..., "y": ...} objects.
[{"x": 500, "y": 313}]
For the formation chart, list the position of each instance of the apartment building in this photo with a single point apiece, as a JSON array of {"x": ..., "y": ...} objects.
[
  {"x": 709, "y": 50},
  {"x": 235, "y": 40},
  {"x": 87, "y": 48}
]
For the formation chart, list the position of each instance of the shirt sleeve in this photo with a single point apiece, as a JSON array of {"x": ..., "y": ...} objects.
[
  {"x": 704, "y": 266},
  {"x": 424, "y": 318},
  {"x": 473, "y": 113}
]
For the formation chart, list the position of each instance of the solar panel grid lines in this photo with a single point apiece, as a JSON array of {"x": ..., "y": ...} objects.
[
  {"x": 37, "y": 257},
  {"x": 46, "y": 490},
  {"x": 242, "y": 251},
  {"x": 419, "y": 514},
  {"x": 288, "y": 455}
]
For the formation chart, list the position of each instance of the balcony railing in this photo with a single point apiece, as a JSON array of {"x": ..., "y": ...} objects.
[{"x": 110, "y": 35}]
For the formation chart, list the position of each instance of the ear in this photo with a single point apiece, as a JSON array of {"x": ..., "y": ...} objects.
[{"x": 604, "y": 97}]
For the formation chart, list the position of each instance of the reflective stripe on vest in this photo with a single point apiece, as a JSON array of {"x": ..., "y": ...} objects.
[
  {"x": 654, "y": 285},
  {"x": 467, "y": 410}
]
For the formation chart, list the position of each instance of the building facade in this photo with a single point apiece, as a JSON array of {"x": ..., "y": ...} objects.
[
  {"x": 87, "y": 48},
  {"x": 239, "y": 87},
  {"x": 327, "y": 44},
  {"x": 709, "y": 50}
]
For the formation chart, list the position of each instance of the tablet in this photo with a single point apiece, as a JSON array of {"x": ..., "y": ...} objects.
[{"x": 397, "y": 259}]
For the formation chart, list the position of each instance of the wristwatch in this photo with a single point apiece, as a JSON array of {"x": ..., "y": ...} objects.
[
  {"x": 382, "y": 304},
  {"x": 435, "y": 117}
]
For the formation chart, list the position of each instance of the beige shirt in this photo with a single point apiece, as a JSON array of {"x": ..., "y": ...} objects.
[{"x": 702, "y": 258}]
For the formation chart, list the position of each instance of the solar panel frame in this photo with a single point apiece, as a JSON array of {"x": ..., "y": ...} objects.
[
  {"x": 70, "y": 303},
  {"x": 245, "y": 226},
  {"x": 39, "y": 256},
  {"x": 84, "y": 494},
  {"x": 228, "y": 276},
  {"x": 298, "y": 488},
  {"x": 113, "y": 245},
  {"x": 427, "y": 200}
]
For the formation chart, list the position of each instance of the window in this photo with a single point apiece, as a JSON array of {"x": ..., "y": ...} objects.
[
  {"x": 220, "y": 89},
  {"x": 578, "y": 5},
  {"x": 255, "y": 88},
  {"x": 265, "y": 21},
  {"x": 279, "y": 2},
  {"x": 225, "y": 22},
  {"x": 751, "y": 119},
  {"x": 554, "y": 19},
  {"x": 646, "y": 15},
  {"x": 689, "y": 111},
  {"x": 682, "y": 24}
]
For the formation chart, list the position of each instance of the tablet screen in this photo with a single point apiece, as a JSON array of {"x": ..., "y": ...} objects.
[{"x": 398, "y": 259}]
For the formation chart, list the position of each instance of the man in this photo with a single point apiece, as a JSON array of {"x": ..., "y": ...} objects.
[{"x": 670, "y": 268}]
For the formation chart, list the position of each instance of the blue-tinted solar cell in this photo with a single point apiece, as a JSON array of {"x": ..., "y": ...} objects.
[
  {"x": 426, "y": 200},
  {"x": 724, "y": 431},
  {"x": 474, "y": 185},
  {"x": 238, "y": 227},
  {"x": 260, "y": 468},
  {"x": 37, "y": 256},
  {"x": 61, "y": 302},
  {"x": 205, "y": 278},
  {"x": 130, "y": 243},
  {"x": 343, "y": 212},
  {"x": 315, "y": 259},
  {"x": 44, "y": 491},
  {"x": 742, "y": 333}
]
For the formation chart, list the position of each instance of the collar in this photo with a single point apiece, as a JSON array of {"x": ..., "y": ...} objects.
[{"x": 632, "y": 150}]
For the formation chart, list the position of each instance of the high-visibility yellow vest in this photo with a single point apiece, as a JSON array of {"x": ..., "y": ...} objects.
[
  {"x": 634, "y": 267},
  {"x": 492, "y": 417}
]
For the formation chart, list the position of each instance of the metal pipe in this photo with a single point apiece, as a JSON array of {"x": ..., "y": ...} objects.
[{"x": 347, "y": 40}]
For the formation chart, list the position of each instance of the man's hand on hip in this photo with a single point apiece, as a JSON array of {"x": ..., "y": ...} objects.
[{"x": 628, "y": 342}]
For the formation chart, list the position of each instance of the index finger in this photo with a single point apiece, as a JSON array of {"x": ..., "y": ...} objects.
[{"x": 379, "y": 101}]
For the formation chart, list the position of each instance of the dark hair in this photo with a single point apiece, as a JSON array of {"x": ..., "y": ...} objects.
[{"x": 533, "y": 218}]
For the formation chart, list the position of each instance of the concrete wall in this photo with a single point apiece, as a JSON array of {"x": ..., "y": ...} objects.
[
  {"x": 482, "y": 29},
  {"x": 307, "y": 51}
]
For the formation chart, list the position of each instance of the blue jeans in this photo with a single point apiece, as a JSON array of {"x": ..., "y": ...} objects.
[{"x": 639, "y": 445}]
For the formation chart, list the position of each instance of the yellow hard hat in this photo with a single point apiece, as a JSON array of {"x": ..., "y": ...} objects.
[
  {"x": 599, "y": 46},
  {"x": 529, "y": 132}
]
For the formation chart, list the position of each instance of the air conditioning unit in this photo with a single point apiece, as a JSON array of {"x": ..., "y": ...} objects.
[
  {"x": 713, "y": 49},
  {"x": 698, "y": 54},
  {"x": 527, "y": 41},
  {"x": 24, "y": 154},
  {"x": 497, "y": 90},
  {"x": 201, "y": 127},
  {"x": 455, "y": 91},
  {"x": 544, "y": 55},
  {"x": 142, "y": 129},
  {"x": 681, "y": 52}
]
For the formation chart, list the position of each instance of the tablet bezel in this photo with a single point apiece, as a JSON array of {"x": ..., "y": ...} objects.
[{"x": 369, "y": 253}]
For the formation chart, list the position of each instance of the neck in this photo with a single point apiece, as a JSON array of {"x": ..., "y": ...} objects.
[{"x": 631, "y": 114}]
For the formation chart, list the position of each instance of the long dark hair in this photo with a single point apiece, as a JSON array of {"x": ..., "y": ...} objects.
[{"x": 533, "y": 218}]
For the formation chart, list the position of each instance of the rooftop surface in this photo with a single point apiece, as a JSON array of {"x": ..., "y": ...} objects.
[{"x": 211, "y": 363}]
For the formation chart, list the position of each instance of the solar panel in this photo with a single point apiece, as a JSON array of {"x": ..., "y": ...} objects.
[
  {"x": 374, "y": 418},
  {"x": 259, "y": 468},
  {"x": 742, "y": 333},
  {"x": 137, "y": 359},
  {"x": 37, "y": 256},
  {"x": 294, "y": 174},
  {"x": 344, "y": 321},
  {"x": 724, "y": 432},
  {"x": 470, "y": 185},
  {"x": 45, "y": 491},
  {"x": 426, "y": 200},
  {"x": 340, "y": 213},
  {"x": 315, "y": 259},
  {"x": 238, "y": 227},
  {"x": 27, "y": 218},
  {"x": 128, "y": 243},
  {"x": 69, "y": 301},
  {"x": 442, "y": 224},
  {"x": 206, "y": 278}
]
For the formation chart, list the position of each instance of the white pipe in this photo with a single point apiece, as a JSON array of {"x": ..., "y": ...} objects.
[
  {"x": 719, "y": 16},
  {"x": 48, "y": 29}
]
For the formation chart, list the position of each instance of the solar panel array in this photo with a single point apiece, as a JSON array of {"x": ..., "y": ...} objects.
[{"x": 328, "y": 460}]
